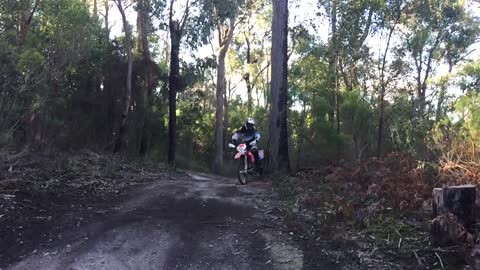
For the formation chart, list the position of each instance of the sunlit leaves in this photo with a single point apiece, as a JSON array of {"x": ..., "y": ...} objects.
[
  {"x": 469, "y": 108},
  {"x": 470, "y": 77}
]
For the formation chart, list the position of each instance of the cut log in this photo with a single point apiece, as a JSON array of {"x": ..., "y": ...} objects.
[{"x": 458, "y": 200}]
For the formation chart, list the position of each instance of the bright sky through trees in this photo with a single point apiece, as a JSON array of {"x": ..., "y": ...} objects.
[{"x": 303, "y": 12}]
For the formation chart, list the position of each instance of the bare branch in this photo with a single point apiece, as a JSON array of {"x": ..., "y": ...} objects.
[
  {"x": 171, "y": 12},
  {"x": 185, "y": 15},
  {"x": 126, "y": 7},
  {"x": 37, "y": 2}
]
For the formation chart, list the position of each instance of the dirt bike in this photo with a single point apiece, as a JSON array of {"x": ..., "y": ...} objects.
[{"x": 247, "y": 165}]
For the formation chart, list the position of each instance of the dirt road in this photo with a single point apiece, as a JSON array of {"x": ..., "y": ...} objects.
[{"x": 190, "y": 221}]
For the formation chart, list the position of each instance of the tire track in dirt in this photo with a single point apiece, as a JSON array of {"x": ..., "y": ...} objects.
[{"x": 191, "y": 221}]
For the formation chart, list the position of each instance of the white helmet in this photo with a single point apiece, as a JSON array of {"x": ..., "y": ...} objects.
[{"x": 250, "y": 123}]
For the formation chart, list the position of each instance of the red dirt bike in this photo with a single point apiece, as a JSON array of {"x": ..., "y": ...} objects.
[{"x": 248, "y": 165}]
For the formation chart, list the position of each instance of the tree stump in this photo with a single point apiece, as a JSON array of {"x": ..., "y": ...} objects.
[
  {"x": 458, "y": 200},
  {"x": 446, "y": 230},
  {"x": 453, "y": 213}
]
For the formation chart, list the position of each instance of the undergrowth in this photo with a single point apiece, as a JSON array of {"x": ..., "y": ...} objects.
[{"x": 377, "y": 212}]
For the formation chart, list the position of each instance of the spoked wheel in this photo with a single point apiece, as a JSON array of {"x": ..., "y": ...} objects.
[{"x": 242, "y": 172}]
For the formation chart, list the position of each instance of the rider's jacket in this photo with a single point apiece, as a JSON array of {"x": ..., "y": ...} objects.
[{"x": 243, "y": 135}]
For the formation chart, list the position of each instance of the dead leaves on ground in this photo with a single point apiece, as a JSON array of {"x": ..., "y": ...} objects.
[
  {"x": 60, "y": 172},
  {"x": 384, "y": 202}
]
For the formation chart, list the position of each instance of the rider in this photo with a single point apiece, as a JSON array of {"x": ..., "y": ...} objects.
[{"x": 248, "y": 133}]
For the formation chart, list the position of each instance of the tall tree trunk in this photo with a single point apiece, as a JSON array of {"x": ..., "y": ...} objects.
[
  {"x": 381, "y": 121},
  {"x": 383, "y": 87},
  {"x": 144, "y": 48},
  {"x": 443, "y": 92},
  {"x": 441, "y": 98},
  {"x": 224, "y": 41},
  {"x": 267, "y": 90},
  {"x": 248, "y": 83},
  {"x": 422, "y": 83},
  {"x": 278, "y": 158},
  {"x": 121, "y": 141},
  {"x": 174, "y": 86},
  {"x": 95, "y": 9},
  {"x": 333, "y": 71},
  {"x": 333, "y": 58},
  {"x": 25, "y": 22},
  {"x": 106, "y": 17},
  {"x": 337, "y": 114},
  {"x": 176, "y": 31},
  {"x": 226, "y": 116},
  {"x": 301, "y": 136},
  {"x": 246, "y": 77}
]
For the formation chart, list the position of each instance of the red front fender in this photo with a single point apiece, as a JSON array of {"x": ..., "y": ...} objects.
[{"x": 249, "y": 154}]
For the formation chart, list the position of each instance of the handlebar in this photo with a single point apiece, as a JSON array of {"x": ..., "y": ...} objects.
[{"x": 233, "y": 146}]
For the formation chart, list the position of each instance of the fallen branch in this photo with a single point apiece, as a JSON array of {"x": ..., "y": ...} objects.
[
  {"x": 419, "y": 261},
  {"x": 440, "y": 259}
]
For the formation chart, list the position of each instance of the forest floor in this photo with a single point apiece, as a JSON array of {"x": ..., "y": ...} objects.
[
  {"x": 87, "y": 211},
  {"x": 375, "y": 215},
  {"x": 92, "y": 212}
]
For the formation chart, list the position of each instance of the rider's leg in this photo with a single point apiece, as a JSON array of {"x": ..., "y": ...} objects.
[{"x": 256, "y": 156}]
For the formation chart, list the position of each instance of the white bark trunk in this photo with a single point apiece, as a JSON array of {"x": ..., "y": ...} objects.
[
  {"x": 221, "y": 88},
  {"x": 122, "y": 134}
]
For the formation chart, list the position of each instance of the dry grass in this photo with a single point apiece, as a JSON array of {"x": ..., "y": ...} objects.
[
  {"x": 459, "y": 163},
  {"x": 398, "y": 179}
]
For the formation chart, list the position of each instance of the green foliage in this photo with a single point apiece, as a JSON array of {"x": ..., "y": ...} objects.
[
  {"x": 151, "y": 9},
  {"x": 468, "y": 107},
  {"x": 62, "y": 48},
  {"x": 312, "y": 128},
  {"x": 470, "y": 77},
  {"x": 69, "y": 77},
  {"x": 30, "y": 60},
  {"x": 406, "y": 131},
  {"x": 211, "y": 14},
  {"x": 357, "y": 115}
]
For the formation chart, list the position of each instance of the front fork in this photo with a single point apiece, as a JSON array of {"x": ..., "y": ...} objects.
[{"x": 245, "y": 163}]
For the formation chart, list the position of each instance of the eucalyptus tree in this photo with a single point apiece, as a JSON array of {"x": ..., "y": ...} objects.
[
  {"x": 392, "y": 13},
  {"x": 195, "y": 23},
  {"x": 121, "y": 141},
  {"x": 459, "y": 38},
  {"x": 430, "y": 28},
  {"x": 224, "y": 16},
  {"x": 278, "y": 158},
  {"x": 177, "y": 28},
  {"x": 146, "y": 10}
]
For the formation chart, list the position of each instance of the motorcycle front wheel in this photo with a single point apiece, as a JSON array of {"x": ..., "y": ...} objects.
[{"x": 242, "y": 172}]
